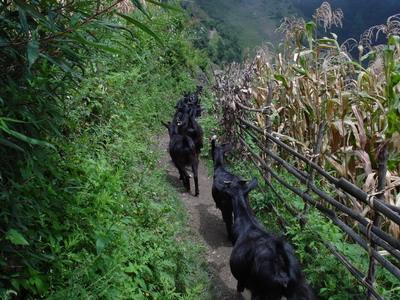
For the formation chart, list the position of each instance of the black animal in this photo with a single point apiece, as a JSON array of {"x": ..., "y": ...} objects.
[
  {"x": 195, "y": 131},
  {"x": 190, "y": 105},
  {"x": 186, "y": 138},
  {"x": 183, "y": 153},
  {"x": 222, "y": 199},
  {"x": 261, "y": 262},
  {"x": 192, "y": 101}
]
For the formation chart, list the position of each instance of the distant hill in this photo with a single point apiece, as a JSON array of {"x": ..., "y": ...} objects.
[
  {"x": 239, "y": 26},
  {"x": 253, "y": 21}
]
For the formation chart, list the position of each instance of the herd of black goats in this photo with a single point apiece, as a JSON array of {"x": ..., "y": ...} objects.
[{"x": 261, "y": 262}]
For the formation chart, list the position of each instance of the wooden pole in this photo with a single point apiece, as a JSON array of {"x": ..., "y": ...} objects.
[
  {"x": 316, "y": 152},
  {"x": 382, "y": 169},
  {"x": 268, "y": 130}
]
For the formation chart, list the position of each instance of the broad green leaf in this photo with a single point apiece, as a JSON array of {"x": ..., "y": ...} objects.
[
  {"x": 310, "y": 26},
  {"x": 102, "y": 47},
  {"x": 142, "y": 27},
  {"x": 131, "y": 268},
  {"x": 27, "y": 139},
  {"x": 370, "y": 56},
  {"x": 32, "y": 51},
  {"x": 12, "y": 120},
  {"x": 22, "y": 20},
  {"x": 16, "y": 238},
  {"x": 28, "y": 8},
  {"x": 57, "y": 62},
  {"x": 394, "y": 40},
  {"x": 100, "y": 245},
  {"x": 166, "y": 6},
  {"x": 282, "y": 79},
  {"x": 140, "y": 6},
  {"x": 395, "y": 79},
  {"x": 11, "y": 145},
  {"x": 327, "y": 41},
  {"x": 300, "y": 70},
  {"x": 116, "y": 26}
]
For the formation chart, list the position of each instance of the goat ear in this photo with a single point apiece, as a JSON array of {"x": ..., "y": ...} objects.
[{"x": 251, "y": 185}]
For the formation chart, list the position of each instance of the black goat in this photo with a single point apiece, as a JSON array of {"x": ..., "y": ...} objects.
[
  {"x": 194, "y": 130},
  {"x": 261, "y": 262},
  {"x": 192, "y": 101},
  {"x": 186, "y": 138},
  {"x": 183, "y": 152},
  {"x": 222, "y": 199}
]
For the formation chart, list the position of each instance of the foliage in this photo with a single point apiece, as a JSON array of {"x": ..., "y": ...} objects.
[
  {"x": 317, "y": 83},
  {"x": 85, "y": 210},
  {"x": 215, "y": 38},
  {"x": 329, "y": 279},
  {"x": 250, "y": 23}
]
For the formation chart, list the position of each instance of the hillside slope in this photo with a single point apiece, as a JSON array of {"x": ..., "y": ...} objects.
[{"x": 250, "y": 23}]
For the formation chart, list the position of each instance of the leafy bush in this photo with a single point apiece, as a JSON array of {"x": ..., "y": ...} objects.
[{"x": 89, "y": 213}]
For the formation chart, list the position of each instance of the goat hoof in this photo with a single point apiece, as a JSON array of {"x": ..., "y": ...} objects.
[{"x": 196, "y": 194}]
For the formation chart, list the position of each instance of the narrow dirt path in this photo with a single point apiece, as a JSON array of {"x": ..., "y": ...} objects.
[{"x": 206, "y": 222}]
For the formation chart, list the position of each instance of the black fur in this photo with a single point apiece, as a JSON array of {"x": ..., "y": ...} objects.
[
  {"x": 222, "y": 199},
  {"x": 186, "y": 138},
  {"x": 183, "y": 153},
  {"x": 261, "y": 262}
]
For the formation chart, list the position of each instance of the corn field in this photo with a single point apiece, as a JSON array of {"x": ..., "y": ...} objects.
[{"x": 317, "y": 84}]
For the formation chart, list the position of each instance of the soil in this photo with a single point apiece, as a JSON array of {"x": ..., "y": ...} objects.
[{"x": 208, "y": 227}]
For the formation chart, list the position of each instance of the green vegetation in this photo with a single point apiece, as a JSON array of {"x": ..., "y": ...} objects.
[
  {"x": 86, "y": 212},
  {"x": 314, "y": 81},
  {"x": 329, "y": 279},
  {"x": 252, "y": 22},
  {"x": 214, "y": 37},
  {"x": 238, "y": 27},
  {"x": 231, "y": 30}
]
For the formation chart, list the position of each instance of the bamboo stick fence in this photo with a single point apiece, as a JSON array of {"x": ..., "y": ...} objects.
[{"x": 367, "y": 233}]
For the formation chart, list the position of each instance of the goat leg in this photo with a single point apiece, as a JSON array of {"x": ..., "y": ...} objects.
[
  {"x": 186, "y": 179},
  {"x": 227, "y": 217},
  {"x": 180, "y": 174},
  {"x": 195, "y": 167}
]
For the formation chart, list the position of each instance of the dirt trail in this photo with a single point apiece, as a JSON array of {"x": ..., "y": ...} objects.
[{"x": 206, "y": 222}]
